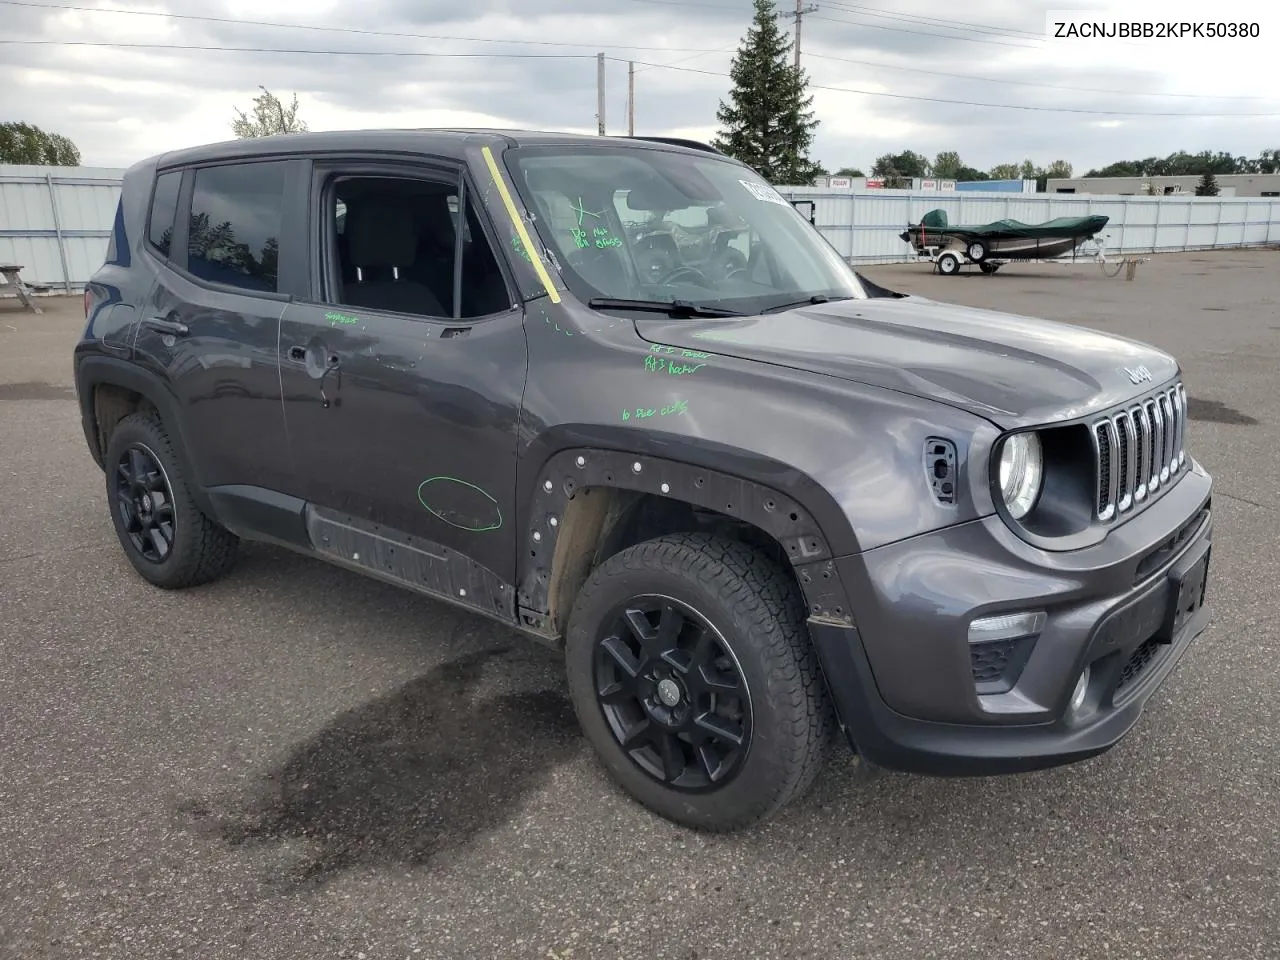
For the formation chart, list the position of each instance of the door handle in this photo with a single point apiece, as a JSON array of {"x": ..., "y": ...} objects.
[
  {"x": 331, "y": 360},
  {"x": 173, "y": 327}
]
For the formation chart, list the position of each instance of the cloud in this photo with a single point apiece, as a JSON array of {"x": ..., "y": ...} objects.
[{"x": 121, "y": 104}]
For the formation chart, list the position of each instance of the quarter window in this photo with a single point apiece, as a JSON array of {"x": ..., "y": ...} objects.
[
  {"x": 236, "y": 213},
  {"x": 164, "y": 208}
]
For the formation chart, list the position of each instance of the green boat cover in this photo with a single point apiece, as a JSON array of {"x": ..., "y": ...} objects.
[{"x": 1060, "y": 227}]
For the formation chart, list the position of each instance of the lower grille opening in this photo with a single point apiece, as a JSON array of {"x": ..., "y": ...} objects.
[
  {"x": 996, "y": 664},
  {"x": 1140, "y": 660}
]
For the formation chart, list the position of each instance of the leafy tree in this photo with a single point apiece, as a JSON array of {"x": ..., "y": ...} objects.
[
  {"x": 898, "y": 169},
  {"x": 970, "y": 174},
  {"x": 947, "y": 165},
  {"x": 26, "y": 143},
  {"x": 1006, "y": 171},
  {"x": 1058, "y": 170},
  {"x": 270, "y": 116},
  {"x": 768, "y": 122},
  {"x": 1208, "y": 185},
  {"x": 848, "y": 172}
]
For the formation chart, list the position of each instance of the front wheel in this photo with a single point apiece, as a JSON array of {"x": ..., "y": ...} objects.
[{"x": 692, "y": 676}]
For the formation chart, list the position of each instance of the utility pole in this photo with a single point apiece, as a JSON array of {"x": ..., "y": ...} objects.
[
  {"x": 631, "y": 98},
  {"x": 798, "y": 16},
  {"x": 600, "y": 93}
]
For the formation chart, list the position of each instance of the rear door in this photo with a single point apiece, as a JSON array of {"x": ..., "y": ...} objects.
[
  {"x": 404, "y": 367},
  {"x": 210, "y": 327}
]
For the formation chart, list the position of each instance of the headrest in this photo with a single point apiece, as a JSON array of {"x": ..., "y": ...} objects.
[{"x": 380, "y": 234}]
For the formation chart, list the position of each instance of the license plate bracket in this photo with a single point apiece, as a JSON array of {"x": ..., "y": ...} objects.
[{"x": 1188, "y": 581}]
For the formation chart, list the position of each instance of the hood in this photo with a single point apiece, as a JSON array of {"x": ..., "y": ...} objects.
[{"x": 1014, "y": 371}]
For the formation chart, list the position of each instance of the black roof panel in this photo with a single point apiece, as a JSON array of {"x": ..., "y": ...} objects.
[{"x": 441, "y": 141}]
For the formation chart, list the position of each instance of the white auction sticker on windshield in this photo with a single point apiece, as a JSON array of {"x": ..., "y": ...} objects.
[{"x": 762, "y": 191}]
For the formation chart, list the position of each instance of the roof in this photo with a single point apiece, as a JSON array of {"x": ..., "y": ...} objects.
[{"x": 431, "y": 140}]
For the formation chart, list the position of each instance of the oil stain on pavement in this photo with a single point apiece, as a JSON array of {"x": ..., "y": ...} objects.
[
  {"x": 35, "y": 391},
  {"x": 408, "y": 776}
]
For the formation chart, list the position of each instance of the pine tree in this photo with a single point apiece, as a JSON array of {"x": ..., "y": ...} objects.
[
  {"x": 768, "y": 122},
  {"x": 1208, "y": 185}
]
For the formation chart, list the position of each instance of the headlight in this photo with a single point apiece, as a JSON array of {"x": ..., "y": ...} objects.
[{"x": 1021, "y": 473}]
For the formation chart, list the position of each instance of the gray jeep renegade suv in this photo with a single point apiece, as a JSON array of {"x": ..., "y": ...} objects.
[{"x": 618, "y": 395}]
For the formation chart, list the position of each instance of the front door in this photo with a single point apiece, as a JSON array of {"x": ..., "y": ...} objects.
[{"x": 403, "y": 374}]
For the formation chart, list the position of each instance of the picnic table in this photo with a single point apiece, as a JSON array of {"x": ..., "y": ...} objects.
[{"x": 11, "y": 272}]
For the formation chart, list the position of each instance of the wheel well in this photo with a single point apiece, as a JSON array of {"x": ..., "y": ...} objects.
[
  {"x": 600, "y": 522},
  {"x": 111, "y": 404},
  {"x": 589, "y": 504}
]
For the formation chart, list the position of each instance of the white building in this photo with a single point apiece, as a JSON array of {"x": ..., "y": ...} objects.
[{"x": 1229, "y": 185}]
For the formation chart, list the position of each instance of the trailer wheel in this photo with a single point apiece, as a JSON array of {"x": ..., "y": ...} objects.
[
  {"x": 949, "y": 264},
  {"x": 989, "y": 267},
  {"x": 977, "y": 251}
]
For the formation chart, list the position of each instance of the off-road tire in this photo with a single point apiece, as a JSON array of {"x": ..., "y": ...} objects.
[
  {"x": 759, "y": 612},
  {"x": 202, "y": 550}
]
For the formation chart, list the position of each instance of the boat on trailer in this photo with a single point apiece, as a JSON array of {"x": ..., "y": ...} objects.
[{"x": 994, "y": 244}]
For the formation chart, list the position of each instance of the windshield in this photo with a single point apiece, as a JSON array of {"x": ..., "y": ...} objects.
[{"x": 644, "y": 224}]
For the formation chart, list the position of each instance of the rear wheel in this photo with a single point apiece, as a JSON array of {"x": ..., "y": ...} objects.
[
  {"x": 693, "y": 678},
  {"x": 949, "y": 264},
  {"x": 988, "y": 267},
  {"x": 164, "y": 534}
]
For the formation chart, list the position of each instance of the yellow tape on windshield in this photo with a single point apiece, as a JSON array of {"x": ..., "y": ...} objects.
[{"x": 520, "y": 228}]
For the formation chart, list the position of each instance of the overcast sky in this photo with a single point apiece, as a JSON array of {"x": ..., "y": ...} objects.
[{"x": 120, "y": 104}]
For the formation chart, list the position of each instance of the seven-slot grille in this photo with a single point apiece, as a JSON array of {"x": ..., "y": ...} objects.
[{"x": 1138, "y": 450}]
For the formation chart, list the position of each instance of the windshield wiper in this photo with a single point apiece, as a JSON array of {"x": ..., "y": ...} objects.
[
  {"x": 676, "y": 308},
  {"x": 807, "y": 301}
]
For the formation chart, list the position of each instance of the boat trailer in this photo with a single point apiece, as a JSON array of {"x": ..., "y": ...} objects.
[{"x": 948, "y": 259}]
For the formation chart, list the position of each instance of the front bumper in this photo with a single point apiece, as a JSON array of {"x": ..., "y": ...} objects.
[{"x": 904, "y": 683}]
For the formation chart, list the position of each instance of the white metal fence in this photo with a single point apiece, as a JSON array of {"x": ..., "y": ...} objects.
[
  {"x": 55, "y": 221},
  {"x": 865, "y": 226}
]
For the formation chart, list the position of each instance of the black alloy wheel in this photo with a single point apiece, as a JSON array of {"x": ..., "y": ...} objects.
[
  {"x": 672, "y": 693},
  {"x": 144, "y": 502}
]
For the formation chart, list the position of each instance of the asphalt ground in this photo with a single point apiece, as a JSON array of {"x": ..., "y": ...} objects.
[{"x": 297, "y": 762}]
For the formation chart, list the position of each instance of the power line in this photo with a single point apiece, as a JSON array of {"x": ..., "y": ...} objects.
[
  {"x": 1024, "y": 83},
  {"x": 581, "y": 56},
  {"x": 1001, "y": 106},
  {"x": 351, "y": 30},
  {"x": 926, "y": 33},
  {"x": 920, "y": 18},
  {"x": 876, "y": 26},
  {"x": 335, "y": 53},
  {"x": 697, "y": 52}
]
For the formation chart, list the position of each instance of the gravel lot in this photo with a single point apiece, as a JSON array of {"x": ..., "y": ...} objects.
[{"x": 298, "y": 762}]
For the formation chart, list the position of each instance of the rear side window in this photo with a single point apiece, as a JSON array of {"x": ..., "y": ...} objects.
[
  {"x": 164, "y": 208},
  {"x": 236, "y": 212}
]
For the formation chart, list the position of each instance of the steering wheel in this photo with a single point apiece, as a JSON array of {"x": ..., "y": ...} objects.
[{"x": 695, "y": 275}]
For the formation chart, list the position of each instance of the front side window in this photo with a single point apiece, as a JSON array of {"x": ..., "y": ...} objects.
[
  {"x": 236, "y": 213},
  {"x": 397, "y": 249},
  {"x": 164, "y": 209},
  {"x": 643, "y": 224}
]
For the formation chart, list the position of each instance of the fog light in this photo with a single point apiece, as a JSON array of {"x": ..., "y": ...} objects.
[
  {"x": 1082, "y": 687},
  {"x": 1006, "y": 626}
]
